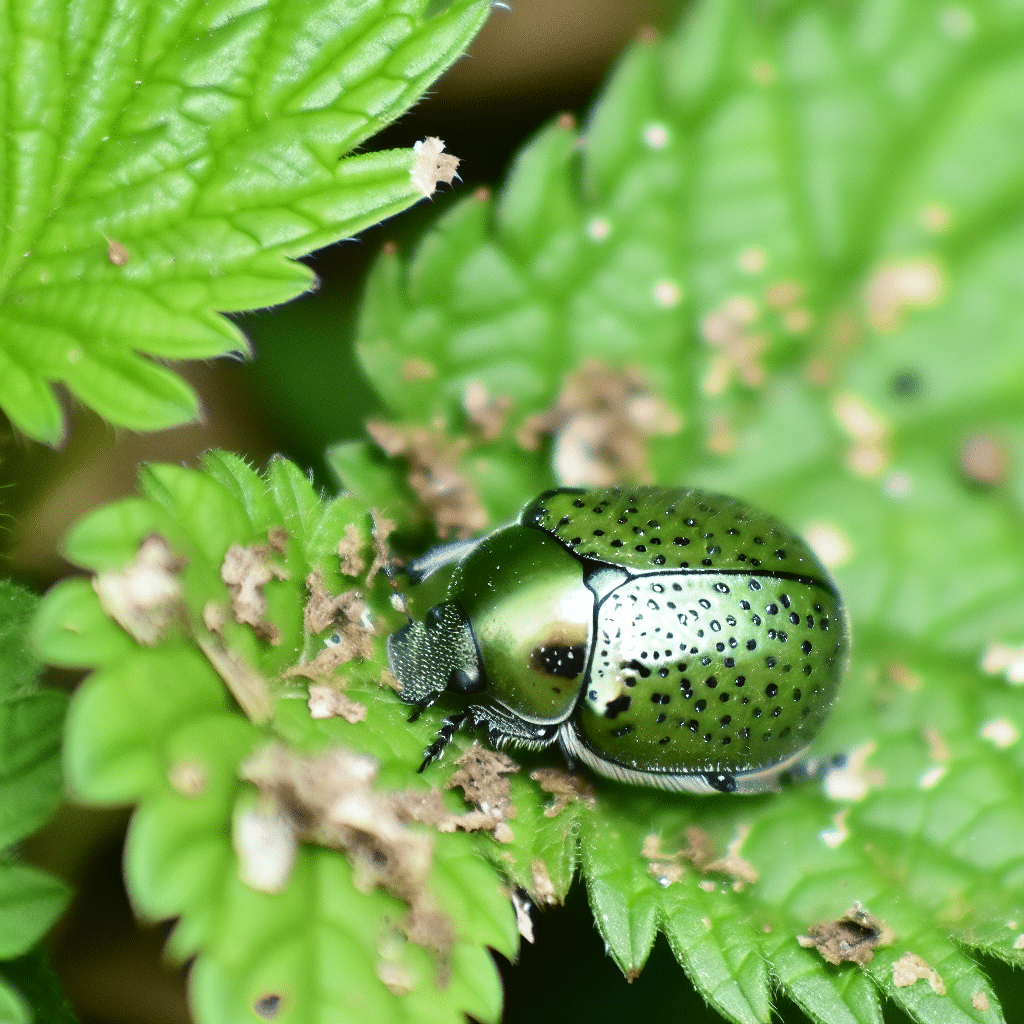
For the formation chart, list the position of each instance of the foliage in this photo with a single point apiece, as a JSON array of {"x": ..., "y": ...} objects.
[
  {"x": 30, "y": 788},
  {"x": 754, "y": 270},
  {"x": 165, "y": 163}
]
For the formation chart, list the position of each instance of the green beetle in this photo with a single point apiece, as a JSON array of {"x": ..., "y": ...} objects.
[{"x": 663, "y": 636}]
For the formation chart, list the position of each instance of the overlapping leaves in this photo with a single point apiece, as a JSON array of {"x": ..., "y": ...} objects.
[
  {"x": 164, "y": 163},
  {"x": 154, "y": 725},
  {"x": 30, "y": 789},
  {"x": 804, "y": 224}
]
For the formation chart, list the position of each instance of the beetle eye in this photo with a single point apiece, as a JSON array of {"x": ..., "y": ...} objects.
[{"x": 461, "y": 681}]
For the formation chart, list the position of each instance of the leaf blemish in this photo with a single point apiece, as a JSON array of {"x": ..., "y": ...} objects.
[{"x": 854, "y": 936}]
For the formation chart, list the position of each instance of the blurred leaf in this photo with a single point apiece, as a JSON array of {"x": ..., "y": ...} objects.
[
  {"x": 36, "y": 995},
  {"x": 167, "y": 163},
  {"x": 30, "y": 790}
]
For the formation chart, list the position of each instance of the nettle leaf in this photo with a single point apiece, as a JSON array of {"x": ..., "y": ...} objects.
[
  {"x": 225, "y": 583},
  {"x": 30, "y": 790},
  {"x": 166, "y": 163},
  {"x": 781, "y": 259}
]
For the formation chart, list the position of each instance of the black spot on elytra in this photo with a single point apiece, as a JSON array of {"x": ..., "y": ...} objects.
[{"x": 615, "y": 707}]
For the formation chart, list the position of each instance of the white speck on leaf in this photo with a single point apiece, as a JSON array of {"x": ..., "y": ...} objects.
[
  {"x": 656, "y": 136},
  {"x": 667, "y": 293},
  {"x": 265, "y": 842},
  {"x": 1009, "y": 660},
  {"x": 598, "y": 229},
  {"x": 1000, "y": 732},
  {"x": 839, "y": 833},
  {"x": 931, "y": 776},
  {"x": 897, "y": 286},
  {"x": 752, "y": 260},
  {"x": 431, "y": 165},
  {"x": 853, "y": 780}
]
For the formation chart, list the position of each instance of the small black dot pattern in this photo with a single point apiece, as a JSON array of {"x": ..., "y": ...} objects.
[
  {"x": 650, "y": 528},
  {"x": 698, "y": 669}
]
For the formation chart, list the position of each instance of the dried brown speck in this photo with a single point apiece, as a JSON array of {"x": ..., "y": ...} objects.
[
  {"x": 486, "y": 414},
  {"x": 329, "y": 800},
  {"x": 566, "y": 787},
  {"x": 246, "y": 685},
  {"x": 854, "y": 936},
  {"x": 389, "y": 249},
  {"x": 381, "y": 529},
  {"x": 482, "y": 194},
  {"x": 903, "y": 676},
  {"x": 350, "y": 551},
  {"x": 984, "y": 460},
  {"x": 322, "y": 610},
  {"x": 648, "y": 34},
  {"x": 482, "y": 778},
  {"x": 144, "y": 597},
  {"x": 277, "y": 538},
  {"x": 433, "y": 456},
  {"x": 414, "y": 369},
  {"x": 117, "y": 253},
  {"x": 566, "y": 121},
  {"x": 246, "y": 572},
  {"x": 980, "y": 1002},
  {"x": 899, "y": 285},
  {"x": 187, "y": 777},
  {"x": 329, "y": 702},
  {"x": 701, "y": 852},
  {"x": 737, "y": 350},
  {"x": 602, "y": 423},
  {"x": 910, "y": 968},
  {"x": 543, "y": 887}
]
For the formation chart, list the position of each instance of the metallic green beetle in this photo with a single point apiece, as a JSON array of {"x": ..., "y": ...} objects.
[{"x": 663, "y": 636}]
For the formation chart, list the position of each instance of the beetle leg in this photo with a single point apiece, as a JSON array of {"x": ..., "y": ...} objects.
[{"x": 444, "y": 737}]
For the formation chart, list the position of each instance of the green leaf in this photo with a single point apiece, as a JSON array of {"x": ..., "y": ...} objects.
[
  {"x": 29, "y": 992},
  {"x": 802, "y": 225},
  {"x": 155, "y": 725},
  {"x": 167, "y": 164},
  {"x": 30, "y": 790}
]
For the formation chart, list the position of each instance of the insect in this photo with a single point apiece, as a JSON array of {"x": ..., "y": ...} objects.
[{"x": 663, "y": 636}]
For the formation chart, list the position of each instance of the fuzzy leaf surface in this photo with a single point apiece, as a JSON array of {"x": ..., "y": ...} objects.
[{"x": 166, "y": 163}]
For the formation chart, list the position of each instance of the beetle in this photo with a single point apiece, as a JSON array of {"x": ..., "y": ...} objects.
[{"x": 663, "y": 636}]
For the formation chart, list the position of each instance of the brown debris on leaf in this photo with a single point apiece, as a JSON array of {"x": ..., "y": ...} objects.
[
  {"x": 911, "y": 968},
  {"x": 984, "y": 460},
  {"x": 543, "y": 887},
  {"x": 602, "y": 422},
  {"x": 144, "y": 597},
  {"x": 117, "y": 253},
  {"x": 329, "y": 702},
  {"x": 351, "y": 638},
  {"x": 432, "y": 165},
  {"x": 245, "y": 684},
  {"x": 700, "y": 851},
  {"x": 486, "y": 414},
  {"x": 482, "y": 778},
  {"x": 381, "y": 529},
  {"x": 728, "y": 330},
  {"x": 329, "y": 800},
  {"x": 664, "y": 867},
  {"x": 566, "y": 787},
  {"x": 433, "y": 456},
  {"x": 246, "y": 571},
  {"x": 350, "y": 551},
  {"x": 853, "y": 936}
]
